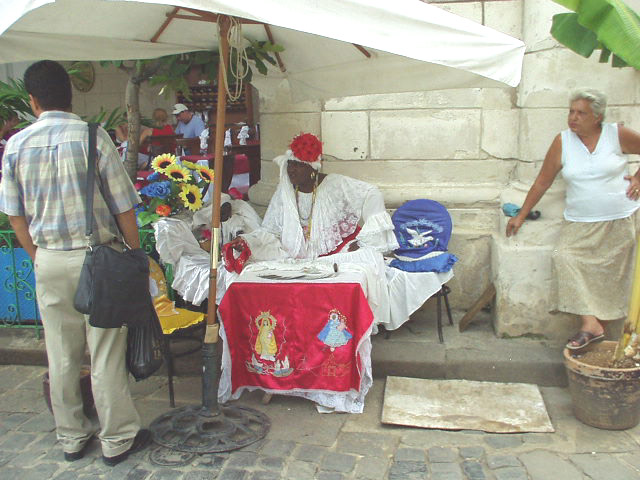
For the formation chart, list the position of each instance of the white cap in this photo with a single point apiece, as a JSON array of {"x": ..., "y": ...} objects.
[{"x": 179, "y": 108}]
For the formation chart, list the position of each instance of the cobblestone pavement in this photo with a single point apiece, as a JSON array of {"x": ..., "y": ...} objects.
[{"x": 304, "y": 444}]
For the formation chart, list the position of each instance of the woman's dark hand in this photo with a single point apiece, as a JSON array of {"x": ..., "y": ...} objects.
[{"x": 237, "y": 244}]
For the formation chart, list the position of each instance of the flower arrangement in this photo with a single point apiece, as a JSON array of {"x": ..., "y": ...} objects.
[
  {"x": 172, "y": 187},
  {"x": 306, "y": 147}
]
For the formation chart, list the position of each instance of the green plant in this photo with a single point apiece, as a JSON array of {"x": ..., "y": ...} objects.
[
  {"x": 13, "y": 98},
  {"x": 108, "y": 120},
  {"x": 608, "y": 25}
]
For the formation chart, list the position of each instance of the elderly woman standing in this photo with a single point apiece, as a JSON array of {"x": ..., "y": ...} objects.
[{"x": 593, "y": 258}]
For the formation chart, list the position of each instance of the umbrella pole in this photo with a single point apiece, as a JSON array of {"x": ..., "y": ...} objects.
[
  {"x": 210, "y": 428},
  {"x": 211, "y": 366}
]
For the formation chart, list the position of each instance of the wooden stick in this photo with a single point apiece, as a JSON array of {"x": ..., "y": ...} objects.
[
  {"x": 485, "y": 298},
  {"x": 224, "y": 23}
]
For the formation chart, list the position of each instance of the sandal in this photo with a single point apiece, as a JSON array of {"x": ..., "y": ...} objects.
[{"x": 583, "y": 339}]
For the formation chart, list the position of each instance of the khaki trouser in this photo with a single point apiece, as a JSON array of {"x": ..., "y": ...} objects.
[{"x": 67, "y": 334}]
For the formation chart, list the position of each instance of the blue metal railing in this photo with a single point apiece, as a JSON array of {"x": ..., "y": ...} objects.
[{"x": 18, "y": 304}]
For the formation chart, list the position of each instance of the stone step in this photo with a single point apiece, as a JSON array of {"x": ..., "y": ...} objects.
[{"x": 411, "y": 351}]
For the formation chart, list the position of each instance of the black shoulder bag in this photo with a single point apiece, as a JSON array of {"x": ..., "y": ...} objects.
[{"x": 113, "y": 288}]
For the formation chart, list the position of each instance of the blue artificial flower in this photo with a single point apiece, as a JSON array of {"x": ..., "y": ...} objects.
[
  {"x": 157, "y": 189},
  {"x": 153, "y": 177}
]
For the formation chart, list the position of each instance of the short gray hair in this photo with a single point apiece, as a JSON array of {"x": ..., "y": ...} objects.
[{"x": 597, "y": 99}]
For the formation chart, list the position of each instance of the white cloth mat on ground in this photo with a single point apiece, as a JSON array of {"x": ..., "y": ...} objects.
[{"x": 465, "y": 405}]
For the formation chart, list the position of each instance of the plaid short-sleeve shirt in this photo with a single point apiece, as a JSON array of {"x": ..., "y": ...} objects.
[{"x": 44, "y": 179}]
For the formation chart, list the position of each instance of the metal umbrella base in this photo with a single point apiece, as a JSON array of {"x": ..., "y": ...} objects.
[{"x": 195, "y": 430}]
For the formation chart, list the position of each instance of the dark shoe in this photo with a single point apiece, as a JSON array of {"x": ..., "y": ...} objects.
[
  {"x": 582, "y": 339},
  {"x": 141, "y": 440},
  {"x": 73, "y": 456}
]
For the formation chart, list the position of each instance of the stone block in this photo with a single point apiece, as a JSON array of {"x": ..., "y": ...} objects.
[
  {"x": 472, "y": 272},
  {"x": 536, "y": 23},
  {"x": 551, "y": 206},
  {"x": 279, "y": 100},
  {"x": 603, "y": 466},
  {"x": 425, "y": 134},
  {"x": 506, "y": 17},
  {"x": 522, "y": 277},
  {"x": 499, "y": 138},
  {"x": 549, "y": 77},
  {"x": 500, "y": 461},
  {"x": 464, "y": 174},
  {"x": 538, "y": 128},
  {"x": 434, "y": 99},
  {"x": 346, "y": 134},
  {"x": 474, "y": 220},
  {"x": 278, "y": 129},
  {"x": 545, "y": 464},
  {"x": 371, "y": 468},
  {"x": 442, "y": 455},
  {"x": 452, "y": 196}
]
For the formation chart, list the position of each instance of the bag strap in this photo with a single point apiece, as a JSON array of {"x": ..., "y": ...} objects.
[{"x": 91, "y": 173}]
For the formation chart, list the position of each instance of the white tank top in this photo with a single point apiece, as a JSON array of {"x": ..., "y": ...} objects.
[{"x": 596, "y": 188}]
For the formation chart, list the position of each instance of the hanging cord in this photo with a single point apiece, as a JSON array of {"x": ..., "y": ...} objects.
[{"x": 240, "y": 66}]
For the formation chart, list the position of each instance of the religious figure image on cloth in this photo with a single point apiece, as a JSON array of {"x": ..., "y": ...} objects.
[
  {"x": 335, "y": 333},
  {"x": 266, "y": 345}
]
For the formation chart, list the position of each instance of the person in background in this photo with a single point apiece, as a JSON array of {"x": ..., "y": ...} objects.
[
  {"x": 189, "y": 124},
  {"x": 592, "y": 259},
  {"x": 122, "y": 136},
  {"x": 43, "y": 193},
  {"x": 160, "y": 128}
]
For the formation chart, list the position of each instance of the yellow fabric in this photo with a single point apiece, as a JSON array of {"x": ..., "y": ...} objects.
[
  {"x": 171, "y": 318},
  {"x": 184, "y": 318}
]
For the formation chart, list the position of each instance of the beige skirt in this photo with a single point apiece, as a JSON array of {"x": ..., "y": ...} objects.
[{"x": 593, "y": 265}]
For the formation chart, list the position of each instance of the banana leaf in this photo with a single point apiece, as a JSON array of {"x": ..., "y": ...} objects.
[{"x": 609, "y": 25}]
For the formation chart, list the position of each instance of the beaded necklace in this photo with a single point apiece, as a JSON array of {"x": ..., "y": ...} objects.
[{"x": 307, "y": 231}]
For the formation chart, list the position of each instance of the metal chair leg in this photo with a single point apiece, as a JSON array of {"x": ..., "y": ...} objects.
[
  {"x": 440, "y": 337},
  {"x": 169, "y": 359},
  {"x": 446, "y": 291}
]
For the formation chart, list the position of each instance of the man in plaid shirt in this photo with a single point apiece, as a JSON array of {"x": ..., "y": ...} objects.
[{"x": 43, "y": 192}]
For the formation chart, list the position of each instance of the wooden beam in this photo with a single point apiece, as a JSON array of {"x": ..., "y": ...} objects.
[
  {"x": 364, "y": 51},
  {"x": 278, "y": 58},
  {"x": 164, "y": 25}
]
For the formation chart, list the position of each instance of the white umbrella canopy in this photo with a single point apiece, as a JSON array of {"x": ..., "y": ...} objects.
[
  {"x": 333, "y": 48},
  {"x": 408, "y": 45}
]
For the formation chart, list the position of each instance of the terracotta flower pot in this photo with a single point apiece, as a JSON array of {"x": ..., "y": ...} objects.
[
  {"x": 607, "y": 398},
  {"x": 85, "y": 389}
]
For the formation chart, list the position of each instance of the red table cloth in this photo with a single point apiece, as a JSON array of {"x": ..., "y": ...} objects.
[{"x": 287, "y": 337}]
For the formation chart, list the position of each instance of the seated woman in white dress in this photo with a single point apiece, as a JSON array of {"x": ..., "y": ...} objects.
[{"x": 314, "y": 215}]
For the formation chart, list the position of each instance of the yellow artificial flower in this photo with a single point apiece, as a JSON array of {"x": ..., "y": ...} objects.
[
  {"x": 191, "y": 197},
  {"x": 205, "y": 173},
  {"x": 161, "y": 162},
  {"x": 189, "y": 165},
  {"x": 177, "y": 173}
]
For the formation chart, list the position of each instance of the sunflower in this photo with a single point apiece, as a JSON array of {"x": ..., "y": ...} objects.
[
  {"x": 205, "y": 173},
  {"x": 161, "y": 162},
  {"x": 189, "y": 165},
  {"x": 191, "y": 196},
  {"x": 177, "y": 173}
]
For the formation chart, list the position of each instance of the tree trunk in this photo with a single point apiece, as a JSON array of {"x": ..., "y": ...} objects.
[{"x": 132, "y": 100}]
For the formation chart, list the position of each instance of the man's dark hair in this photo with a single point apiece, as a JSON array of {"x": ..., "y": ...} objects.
[{"x": 49, "y": 83}]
